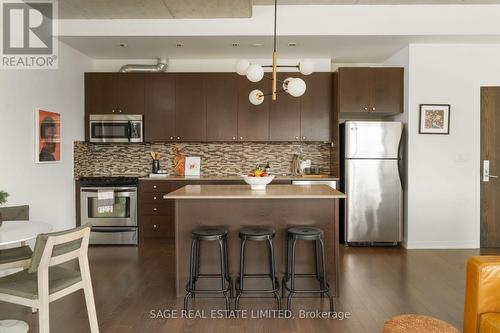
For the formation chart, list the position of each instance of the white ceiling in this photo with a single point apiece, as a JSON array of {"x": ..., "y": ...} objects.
[
  {"x": 362, "y": 34},
  {"x": 168, "y": 9},
  {"x": 339, "y": 48}
]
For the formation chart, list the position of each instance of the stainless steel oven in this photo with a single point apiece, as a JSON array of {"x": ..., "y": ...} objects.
[
  {"x": 116, "y": 225},
  {"x": 116, "y": 128}
]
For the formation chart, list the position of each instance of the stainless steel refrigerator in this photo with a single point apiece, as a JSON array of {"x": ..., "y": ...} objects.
[{"x": 371, "y": 157}]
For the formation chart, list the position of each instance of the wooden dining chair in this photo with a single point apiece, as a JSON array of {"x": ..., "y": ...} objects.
[
  {"x": 15, "y": 213},
  {"x": 46, "y": 280},
  {"x": 16, "y": 257}
]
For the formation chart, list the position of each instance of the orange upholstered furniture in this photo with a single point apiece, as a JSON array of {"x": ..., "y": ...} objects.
[
  {"x": 482, "y": 304},
  {"x": 482, "y": 295}
]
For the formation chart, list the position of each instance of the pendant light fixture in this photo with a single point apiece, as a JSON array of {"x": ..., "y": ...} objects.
[{"x": 255, "y": 72}]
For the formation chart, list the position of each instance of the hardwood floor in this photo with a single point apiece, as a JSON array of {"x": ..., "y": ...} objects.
[{"x": 376, "y": 283}]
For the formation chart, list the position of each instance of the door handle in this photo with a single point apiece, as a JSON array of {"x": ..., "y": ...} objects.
[{"x": 486, "y": 171}]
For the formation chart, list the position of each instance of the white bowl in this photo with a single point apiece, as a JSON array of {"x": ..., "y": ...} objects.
[{"x": 258, "y": 183}]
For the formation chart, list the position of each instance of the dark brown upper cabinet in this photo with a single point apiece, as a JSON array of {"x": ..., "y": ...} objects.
[
  {"x": 159, "y": 117},
  {"x": 221, "y": 93},
  {"x": 354, "y": 89},
  {"x": 114, "y": 93},
  {"x": 284, "y": 115},
  {"x": 371, "y": 89},
  {"x": 99, "y": 90},
  {"x": 387, "y": 90},
  {"x": 253, "y": 120},
  {"x": 316, "y": 108},
  {"x": 201, "y": 107},
  {"x": 129, "y": 93},
  {"x": 190, "y": 108}
]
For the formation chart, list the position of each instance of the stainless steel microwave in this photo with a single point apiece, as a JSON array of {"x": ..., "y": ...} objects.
[{"x": 116, "y": 128}]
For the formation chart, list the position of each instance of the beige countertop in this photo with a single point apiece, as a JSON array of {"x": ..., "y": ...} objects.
[
  {"x": 244, "y": 192},
  {"x": 233, "y": 177}
]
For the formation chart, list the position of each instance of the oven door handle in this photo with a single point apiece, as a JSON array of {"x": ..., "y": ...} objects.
[
  {"x": 123, "y": 190},
  {"x": 113, "y": 229}
]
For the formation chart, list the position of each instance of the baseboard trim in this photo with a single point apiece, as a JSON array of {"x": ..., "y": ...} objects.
[{"x": 441, "y": 245}]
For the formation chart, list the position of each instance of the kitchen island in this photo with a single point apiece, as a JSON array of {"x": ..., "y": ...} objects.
[{"x": 236, "y": 206}]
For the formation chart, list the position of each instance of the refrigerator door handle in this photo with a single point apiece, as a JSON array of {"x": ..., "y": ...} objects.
[
  {"x": 400, "y": 173},
  {"x": 401, "y": 161}
]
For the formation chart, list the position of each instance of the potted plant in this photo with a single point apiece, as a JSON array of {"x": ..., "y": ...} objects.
[{"x": 3, "y": 199}]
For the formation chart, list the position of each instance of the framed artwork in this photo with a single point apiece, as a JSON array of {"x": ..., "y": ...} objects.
[
  {"x": 434, "y": 119},
  {"x": 47, "y": 136},
  {"x": 192, "y": 166}
]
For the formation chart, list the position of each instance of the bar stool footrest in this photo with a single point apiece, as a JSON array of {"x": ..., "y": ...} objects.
[{"x": 256, "y": 291}]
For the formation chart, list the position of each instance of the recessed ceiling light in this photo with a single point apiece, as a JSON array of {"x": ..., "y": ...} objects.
[
  {"x": 123, "y": 44},
  {"x": 179, "y": 44},
  {"x": 236, "y": 44},
  {"x": 292, "y": 44},
  {"x": 257, "y": 44}
]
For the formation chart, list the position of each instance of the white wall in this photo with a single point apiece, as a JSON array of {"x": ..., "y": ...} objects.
[
  {"x": 202, "y": 65},
  {"x": 49, "y": 188},
  {"x": 444, "y": 170}
]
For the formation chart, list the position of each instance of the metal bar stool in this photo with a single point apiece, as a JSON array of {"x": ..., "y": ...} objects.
[
  {"x": 257, "y": 234},
  {"x": 208, "y": 234},
  {"x": 306, "y": 234}
]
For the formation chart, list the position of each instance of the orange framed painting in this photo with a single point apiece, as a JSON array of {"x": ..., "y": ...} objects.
[{"x": 47, "y": 136}]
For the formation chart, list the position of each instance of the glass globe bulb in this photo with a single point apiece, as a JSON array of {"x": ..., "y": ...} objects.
[
  {"x": 255, "y": 73},
  {"x": 306, "y": 66},
  {"x": 296, "y": 87},
  {"x": 285, "y": 83},
  {"x": 242, "y": 66},
  {"x": 256, "y": 97}
]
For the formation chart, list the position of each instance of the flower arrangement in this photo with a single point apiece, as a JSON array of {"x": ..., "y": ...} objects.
[{"x": 3, "y": 197}]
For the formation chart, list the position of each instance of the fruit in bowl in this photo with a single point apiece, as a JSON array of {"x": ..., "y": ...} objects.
[
  {"x": 258, "y": 172},
  {"x": 258, "y": 179}
]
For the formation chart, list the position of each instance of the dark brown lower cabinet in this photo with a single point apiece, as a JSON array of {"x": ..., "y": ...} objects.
[
  {"x": 156, "y": 227},
  {"x": 157, "y": 215}
]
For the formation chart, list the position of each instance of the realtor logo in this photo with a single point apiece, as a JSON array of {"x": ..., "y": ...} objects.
[{"x": 28, "y": 34}]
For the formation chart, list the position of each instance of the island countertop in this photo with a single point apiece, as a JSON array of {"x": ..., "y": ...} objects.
[{"x": 244, "y": 192}]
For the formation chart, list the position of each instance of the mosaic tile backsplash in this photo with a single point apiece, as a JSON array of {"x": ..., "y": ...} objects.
[{"x": 217, "y": 159}]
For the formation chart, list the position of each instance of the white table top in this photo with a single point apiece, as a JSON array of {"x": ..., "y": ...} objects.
[{"x": 12, "y": 232}]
